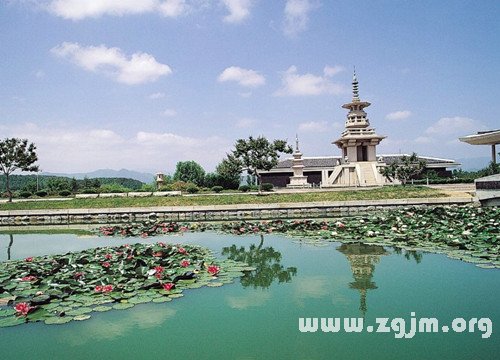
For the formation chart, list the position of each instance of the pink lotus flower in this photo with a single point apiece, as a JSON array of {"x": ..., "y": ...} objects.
[
  {"x": 105, "y": 264},
  {"x": 340, "y": 225},
  {"x": 107, "y": 288},
  {"x": 161, "y": 244},
  {"x": 130, "y": 257},
  {"x": 108, "y": 256},
  {"x": 158, "y": 254},
  {"x": 144, "y": 235},
  {"x": 28, "y": 259},
  {"x": 185, "y": 263},
  {"x": 29, "y": 278},
  {"x": 168, "y": 286},
  {"x": 183, "y": 228},
  {"x": 78, "y": 275},
  {"x": 22, "y": 308},
  {"x": 182, "y": 250},
  {"x": 324, "y": 227},
  {"x": 98, "y": 288},
  {"x": 213, "y": 270},
  {"x": 159, "y": 269}
]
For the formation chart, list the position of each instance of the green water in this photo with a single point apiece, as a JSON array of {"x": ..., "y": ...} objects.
[{"x": 257, "y": 316}]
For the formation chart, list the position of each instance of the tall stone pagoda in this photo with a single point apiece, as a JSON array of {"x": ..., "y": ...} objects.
[
  {"x": 358, "y": 142},
  {"x": 298, "y": 180}
]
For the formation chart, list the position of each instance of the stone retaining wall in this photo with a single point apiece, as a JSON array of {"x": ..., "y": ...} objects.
[{"x": 212, "y": 213}]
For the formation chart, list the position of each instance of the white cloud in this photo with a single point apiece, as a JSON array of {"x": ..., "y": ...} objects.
[
  {"x": 244, "y": 77},
  {"x": 332, "y": 70},
  {"x": 158, "y": 95},
  {"x": 253, "y": 298},
  {"x": 398, "y": 115},
  {"x": 173, "y": 8},
  {"x": 245, "y": 123},
  {"x": 454, "y": 126},
  {"x": 40, "y": 74},
  {"x": 105, "y": 148},
  {"x": 136, "y": 69},
  {"x": 423, "y": 140},
  {"x": 80, "y": 9},
  {"x": 295, "y": 84},
  {"x": 169, "y": 113},
  {"x": 313, "y": 126},
  {"x": 239, "y": 10},
  {"x": 297, "y": 16}
]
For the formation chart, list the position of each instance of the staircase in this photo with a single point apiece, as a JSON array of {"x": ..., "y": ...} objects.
[{"x": 366, "y": 174}]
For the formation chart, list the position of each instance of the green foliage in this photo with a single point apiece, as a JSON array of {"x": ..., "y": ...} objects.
[
  {"x": 192, "y": 188},
  {"x": 267, "y": 187},
  {"x": 189, "y": 171},
  {"x": 25, "y": 194},
  {"x": 58, "y": 184},
  {"x": 65, "y": 193},
  {"x": 491, "y": 169},
  {"x": 147, "y": 188},
  {"x": 244, "y": 188},
  {"x": 256, "y": 154},
  {"x": 42, "y": 193},
  {"x": 228, "y": 172},
  {"x": 16, "y": 154},
  {"x": 180, "y": 186},
  {"x": 403, "y": 169},
  {"x": 114, "y": 188},
  {"x": 217, "y": 189}
]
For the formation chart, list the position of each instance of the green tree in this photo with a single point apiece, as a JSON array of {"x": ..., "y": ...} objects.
[
  {"x": 189, "y": 171},
  {"x": 257, "y": 154},
  {"x": 267, "y": 262},
  {"x": 403, "y": 169},
  {"x": 16, "y": 154}
]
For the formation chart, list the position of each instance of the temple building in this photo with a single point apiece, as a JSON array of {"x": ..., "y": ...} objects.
[{"x": 358, "y": 164}]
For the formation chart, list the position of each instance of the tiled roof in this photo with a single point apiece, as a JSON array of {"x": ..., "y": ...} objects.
[
  {"x": 311, "y": 162},
  {"x": 331, "y": 161}
]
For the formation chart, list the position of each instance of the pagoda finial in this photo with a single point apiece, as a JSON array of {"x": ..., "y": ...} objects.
[
  {"x": 355, "y": 89},
  {"x": 297, "y": 142}
]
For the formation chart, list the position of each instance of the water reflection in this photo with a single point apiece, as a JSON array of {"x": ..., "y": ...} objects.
[
  {"x": 267, "y": 262},
  {"x": 409, "y": 254},
  {"x": 362, "y": 258}
]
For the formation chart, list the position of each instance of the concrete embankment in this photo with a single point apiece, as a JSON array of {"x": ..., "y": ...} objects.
[{"x": 215, "y": 213}]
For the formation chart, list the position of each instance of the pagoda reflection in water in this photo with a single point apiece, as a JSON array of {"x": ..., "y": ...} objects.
[{"x": 362, "y": 258}]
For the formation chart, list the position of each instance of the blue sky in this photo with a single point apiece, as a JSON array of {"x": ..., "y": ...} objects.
[{"x": 142, "y": 84}]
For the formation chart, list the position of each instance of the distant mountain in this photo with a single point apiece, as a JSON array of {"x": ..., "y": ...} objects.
[
  {"x": 109, "y": 173},
  {"x": 474, "y": 164}
]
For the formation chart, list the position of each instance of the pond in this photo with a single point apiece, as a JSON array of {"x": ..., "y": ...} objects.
[{"x": 257, "y": 317}]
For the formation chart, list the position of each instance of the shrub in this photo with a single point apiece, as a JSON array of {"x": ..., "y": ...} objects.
[
  {"x": 166, "y": 188},
  {"x": 114, "y": 188},
  {"x": 65, "y": 193},
  {"x": 41, "y": 193},
  {"x": 180, "y": 186},
  {"x": 254, "y": 187},
  {"x": 217, "y": 189},
  {"x": 25, "y": 194},
  {"x": 90, "y": 191},
  {"x": 267, "y": 187},
  {"x": 244, "y": 188},
  {"x": 192, "y": 189}
]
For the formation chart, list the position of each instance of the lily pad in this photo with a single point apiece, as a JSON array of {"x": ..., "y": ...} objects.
[
  {"x": 12, "y": 321},
  {"x": 58, "y": 320},
  {"x": 82, "y": 317},
  {"x": 123, "y": 306},
  {"x": 102, "y": 308}
]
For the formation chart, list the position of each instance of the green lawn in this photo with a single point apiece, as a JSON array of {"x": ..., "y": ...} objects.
[{"x": 388, "y": 192}]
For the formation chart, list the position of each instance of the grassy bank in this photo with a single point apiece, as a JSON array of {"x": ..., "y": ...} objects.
[{"x": 389, "y": 192}]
